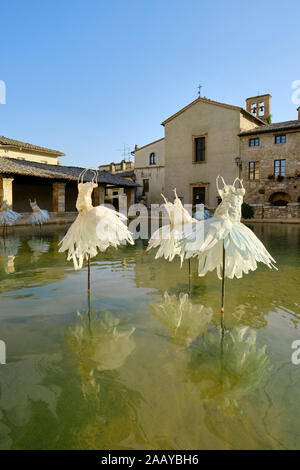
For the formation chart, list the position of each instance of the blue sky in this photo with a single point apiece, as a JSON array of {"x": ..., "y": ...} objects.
[{"x": 85, "y": 77}]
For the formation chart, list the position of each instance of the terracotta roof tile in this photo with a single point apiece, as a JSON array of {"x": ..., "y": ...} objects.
[
  {"x": 276, "y": 127},
  {"x": 13, "y": 166}
]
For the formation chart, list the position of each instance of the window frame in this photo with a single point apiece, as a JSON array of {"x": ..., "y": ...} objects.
[
  {"x": 253, "y": 175},
  {"x": 280, "y": 136},
  {"x": 194, "y": 153},
  {"x": 152, "y": 158},
  {"x": 255, "y": 140},
  {"x": 280, "y": 167},
  {"x": 144, "y": 185}
]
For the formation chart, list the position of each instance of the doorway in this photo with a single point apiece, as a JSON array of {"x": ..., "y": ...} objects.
[{"x": 199, "y": 193}]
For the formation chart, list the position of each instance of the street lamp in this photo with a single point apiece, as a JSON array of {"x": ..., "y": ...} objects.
[{"x": 239, "y": 164}]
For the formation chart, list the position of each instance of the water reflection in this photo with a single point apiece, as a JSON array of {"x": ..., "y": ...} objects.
[
  {"x": 100, "y": 343},
  {"x": 38, "y": 246},
  {"x": 92, "y": 381},
  {"x": 229, "y": 376},
  {"x": 9, "y": 247},
  {"x": 18, "y": 254},
  {"x": 185, "y": 320},
  {"x": 234, "y": 367},
  {"x": 21, "y": 385}
]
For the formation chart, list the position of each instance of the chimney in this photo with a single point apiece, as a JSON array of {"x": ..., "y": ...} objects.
[
  {"x": 259, "y": 106},
  {"x": 298, "y": 109}
]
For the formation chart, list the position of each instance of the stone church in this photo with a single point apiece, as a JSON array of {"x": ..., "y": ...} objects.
[{"x": 207, "y": 138}]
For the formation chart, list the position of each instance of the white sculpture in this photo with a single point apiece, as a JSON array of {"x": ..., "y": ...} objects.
[
  {"x": 95, "y": 228},
  {"x": 167, "y": 237},
  {"x": 8, "y": 216},
  {"x": 228, "y": 245},
  {"x": 39, "y": 216}
]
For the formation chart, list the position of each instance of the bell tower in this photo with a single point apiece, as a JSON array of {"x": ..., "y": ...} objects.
[{"x": 259, "y": 106}]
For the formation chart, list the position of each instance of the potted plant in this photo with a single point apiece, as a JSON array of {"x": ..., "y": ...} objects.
[
  {"x": 247, "y": 211},
  {"x": 280, "y": 178},
  {"x": 261, "y": 190},
  {"x": 271, "y": 177}
]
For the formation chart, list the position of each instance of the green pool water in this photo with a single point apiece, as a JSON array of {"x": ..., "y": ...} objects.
[{"x": 144, "y": 368}]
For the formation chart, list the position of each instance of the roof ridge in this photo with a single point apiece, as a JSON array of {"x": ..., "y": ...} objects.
[
  {"x": 209, "y": 101},
  {"x": 147, "y": 145},
  {"x": 27, "y": 145}
]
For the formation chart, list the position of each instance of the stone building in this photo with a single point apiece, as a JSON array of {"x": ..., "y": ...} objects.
[
  {"x": 150, "y": 171},
  {"x": 121, "y": 168},
  {"x": 54, "y": 187},
  {"x": 201, "y": 141},
  {"x": 207, "y": 138},
  {"x": 11, "y": 148},
  {"x": 125, "y": 169},
  {"x": 270, "y": 158}
]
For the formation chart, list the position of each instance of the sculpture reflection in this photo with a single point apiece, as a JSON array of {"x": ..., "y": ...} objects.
[
  {"x": 9, "y": 247},
  {"x": 100, "y": 343},
  {"x": 184, "y": 319},
  {"x": 229, "y": 371},
  {"x": 38, "y": 246}
]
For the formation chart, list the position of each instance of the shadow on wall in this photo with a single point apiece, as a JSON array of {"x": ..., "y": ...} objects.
[
  {"x": 22, "y": 192},
  {"x": 41, "y": 190}
]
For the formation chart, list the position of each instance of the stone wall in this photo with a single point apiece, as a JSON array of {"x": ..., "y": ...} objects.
[
  {"x": 265, "y": 154},
  {"x": 55, "y": 218},
  {"x": 117, "y": 167},
  {"x": 6, "y": 190},
  {"x": 265, "y": 212},
  {"x": 58, "y": 197}
]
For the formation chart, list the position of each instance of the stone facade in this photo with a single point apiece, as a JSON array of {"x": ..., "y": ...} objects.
[
  {"x": 118, "y": 167},
  {"x": 58, "y": 197},
  {"x": 99, "y": 195},
  {"x": 6, "y": 191},
  {"x": 226, "y": 130},
  {"x": 268, "y": 212},
  {"x": 266, "y": 189},
  {"x": 259, "y": 106},
  {"x": 115, "y": 196}
]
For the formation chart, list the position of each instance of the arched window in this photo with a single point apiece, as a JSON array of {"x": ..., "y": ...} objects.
[
  {"x": 279, "y": 199},
  {"x": 152, "y": 158}
]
